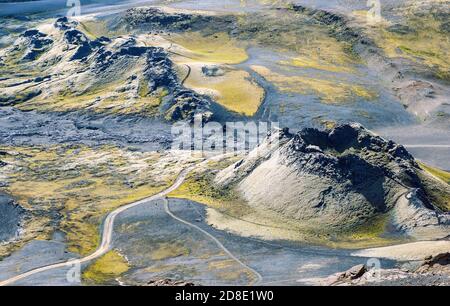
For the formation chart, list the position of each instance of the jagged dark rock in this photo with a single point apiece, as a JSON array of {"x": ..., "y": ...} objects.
[
  {"x": 442, "y": 259},
  {"x": 35, "y": 43},
  {"x": 186, "y": 104},
  {"x": 63, "y": 23},
  {"x": 159, "y": 70},
  {"x": 85, "y": 46},
  {"x": 100, "y": 41},
  {"x": 350, "y": 152},
  {"x": 169, "y": 282},
  {"x": 33, "y": 33},
  {"x": 156, "y": 19},
  {"x": 155, "y": 16},
  {"x": 83, "y": 51},
  {"x": 102, "y": 60},
  {"x": 212, "y": 71},
  {"x": 75, "y": 37},
  {"x": 353, "y": 273}
]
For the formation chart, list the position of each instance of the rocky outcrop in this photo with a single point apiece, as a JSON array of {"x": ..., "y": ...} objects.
[
  {"x": 354, "y": 272},
  {"x": 159, "y": 70},
  {"x": 64, "y": 23},
  {"x": 142, "y": 71},
  {"x": 442, "y": 259},
  {"x": 186, "y": 105},
  {"x": 337, "y": 24},
  {"x": 156, "y": 19},
  {"x": 340, "y": 178},
  {"x": 77, "y": 39},
  {"x": 349, "y": 276},
  {"x": 212, "y": 71},
  {"x": 432, "y": 272},
  {"x": 412, "y": 215},
  {"x": 34, "y": 42},
  {"x": 401, "y": 29},
  {"x": 169, "y": 282}
]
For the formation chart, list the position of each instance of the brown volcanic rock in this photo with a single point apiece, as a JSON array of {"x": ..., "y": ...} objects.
[{"x": 169, "y": 282}]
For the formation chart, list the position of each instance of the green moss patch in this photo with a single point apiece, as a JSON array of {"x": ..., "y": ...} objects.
[{"x": 105, "y": 269}]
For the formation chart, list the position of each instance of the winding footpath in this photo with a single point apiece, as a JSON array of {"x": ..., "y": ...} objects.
[
  {"x": 107, "y": 232},
  {"x": 231, "y": 255}
]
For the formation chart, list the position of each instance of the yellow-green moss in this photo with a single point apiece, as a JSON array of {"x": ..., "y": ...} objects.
[
  {"x": 366, "y": 235},
  {"x": 438, "y": 173},
  {"x": 323, "y": 52},
  {"x": 106, "y": 269},
  {"x": 329, "y": 91},
  {"x": 199, "y": 188},
  {"x": 439, "y": 194},
  {"x": 95, "y": 28},
  {"x": 103, "y": 99},
  {"x": 216, "y": 48},
  {"x": 143, "y": 90},
  {"x": 316, "y": 64},
  {"x": 235, "y": 90},
  {"x": 169, "y": 250},
  {"x": 93, "y": 183},
  {"x": 228, "y": 270},
  {"x": 425, "y": 43}
]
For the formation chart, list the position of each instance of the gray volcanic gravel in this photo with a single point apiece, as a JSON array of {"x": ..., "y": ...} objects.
[
  {"x": 37, "y": 254},
  {"x": 10, "y": 216},
  {"x": 33, "y": 128}
]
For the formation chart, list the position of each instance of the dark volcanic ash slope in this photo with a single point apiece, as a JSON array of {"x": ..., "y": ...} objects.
[
  {"x": 339, "y": 179},
  {"x": 11, "y": 215}
]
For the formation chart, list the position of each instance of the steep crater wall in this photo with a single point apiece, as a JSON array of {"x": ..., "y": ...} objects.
[{"x": 337, "y": 180}]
